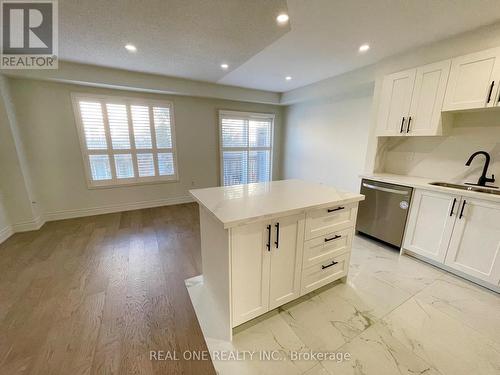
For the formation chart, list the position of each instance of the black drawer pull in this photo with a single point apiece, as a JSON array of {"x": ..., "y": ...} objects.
[
  {"x": 408, "y": 126},
  {"x": 329, "y": 265},
  {"x": 277, "y": 242},
  {"x": 453, "y": 206},
  {"x": 335, "y": 209},
  {"x": 402, "y": 124},
  {"x": 332, "y": 238},
  {"x": 490, "y": 92},
  {"x": 462, "y": 210},
  {"x": 268, "y": 244}
]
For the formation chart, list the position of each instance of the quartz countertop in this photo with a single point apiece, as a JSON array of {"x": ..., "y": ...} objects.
[
  {"x": 424, "y": 183},
  {"x": 240, "y": 204}
]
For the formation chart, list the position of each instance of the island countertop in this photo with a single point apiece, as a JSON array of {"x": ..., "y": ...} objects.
[{"x": 240, "y": 204}]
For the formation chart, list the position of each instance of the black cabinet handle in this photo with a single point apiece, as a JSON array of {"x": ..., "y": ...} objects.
[
  {"x": 329, "y": 265},
  {"x": 268, "y": 245},
  {"x": 335, "y": 209},
  {"x": 402, "y": 124},
  {"x": 332, "y": 238},
  {"x": 491, "y": 90},
  {"x": 453, "y": 206},
  {"x": 462, "y": 210},
  {"x": 408, "y": 126},
  {"x": 277, "y": 242}
]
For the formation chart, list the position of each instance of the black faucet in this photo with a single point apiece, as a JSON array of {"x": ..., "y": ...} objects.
[{"x": 483, "y": 179}]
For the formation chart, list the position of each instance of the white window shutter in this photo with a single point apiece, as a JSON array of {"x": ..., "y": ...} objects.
[
  {"x": 126, "y": 140},
  {"x": 246, "y": 147}
]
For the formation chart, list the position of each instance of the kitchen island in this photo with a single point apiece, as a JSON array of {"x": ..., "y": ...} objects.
[{"x": 266, "y": 244}]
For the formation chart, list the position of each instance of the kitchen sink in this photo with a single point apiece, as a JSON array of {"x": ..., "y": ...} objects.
[{"x": 480, "y": 189}]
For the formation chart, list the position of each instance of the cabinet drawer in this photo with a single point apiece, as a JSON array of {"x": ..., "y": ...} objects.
[
  {"x": 323, "y": 248},
  {"x": 331, "y": 219},
  {"x": 325, "y": 272}
]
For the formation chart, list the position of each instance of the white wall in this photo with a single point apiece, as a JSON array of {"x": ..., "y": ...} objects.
[
  {"x": 341, "y": 88},
  {"x": 14, "y": 178},
  {"x": 5, "y": 225},
  {"x": 325, "y": 140},
  {"x": 443, "y": 158},
  {"x": 47, "y": 128}
]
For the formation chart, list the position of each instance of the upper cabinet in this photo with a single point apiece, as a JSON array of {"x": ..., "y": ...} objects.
[
  {"x": 474, "y": 81},
  {"x": 427, "y": 99},
  {"x": 395, "y": 100},
  {"x": 411, "y": 101}
]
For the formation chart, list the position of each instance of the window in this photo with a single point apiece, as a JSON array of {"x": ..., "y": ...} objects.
[
  {"x": 126, "y": 140},
  {"x": 245, "y": 147}
]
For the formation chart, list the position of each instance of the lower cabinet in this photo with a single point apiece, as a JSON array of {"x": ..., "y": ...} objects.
[
  {"x": 250, "y": 264},
  {"x": 286, "y": 260},
  {"x": 430, "y": 224},
  {"x": 266, "y": 260},
  {"x": 475, "y": 245},
  {"x": 274, "y": 262},
  {"x": 460, "y": 232}
]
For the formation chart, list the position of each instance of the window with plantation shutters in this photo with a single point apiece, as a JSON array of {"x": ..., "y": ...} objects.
[
  {"x": 126, "y": 140},
  {"x": 245, "y": 147}
]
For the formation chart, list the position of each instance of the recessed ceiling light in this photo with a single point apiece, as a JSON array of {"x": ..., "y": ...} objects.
[
  {"x": 224, "y": 66},
  {"x": 130, "y": 47},
  {"x": 364, "y": 47},
  {"x": 282, "y": 18},
  {"x": 288, "y": 78}
]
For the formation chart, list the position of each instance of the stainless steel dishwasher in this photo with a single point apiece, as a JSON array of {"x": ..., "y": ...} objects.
[{"x": 383, "y": 213}]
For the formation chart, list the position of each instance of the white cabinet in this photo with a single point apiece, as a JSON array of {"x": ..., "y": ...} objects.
[
  {"x": 286, "y": 260},
  {"x": 430, "y": 224},
  {"x": 474, "y": 81},
  {"x": 411, "y": 101},
  {"x": 427, "y": 99},
  {"x": 250, "y": 262},
  {"x": 475, "y": 244},
  {"x": 395, "y": 100},
  {"x": 266, "y": 260},
  {"x": 460, "y": 232}
]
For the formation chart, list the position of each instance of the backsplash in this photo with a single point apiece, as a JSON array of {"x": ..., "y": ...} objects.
[{"x": 443, "y": 158}]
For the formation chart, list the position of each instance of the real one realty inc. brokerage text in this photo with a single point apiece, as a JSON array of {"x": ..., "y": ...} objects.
[{"x": 247, "y": 355}]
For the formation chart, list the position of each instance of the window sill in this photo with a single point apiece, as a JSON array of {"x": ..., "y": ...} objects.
[{"x": 132, "y": 183}]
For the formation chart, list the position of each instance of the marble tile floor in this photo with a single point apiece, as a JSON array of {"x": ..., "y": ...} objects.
[{"x": 395, "y": 315}]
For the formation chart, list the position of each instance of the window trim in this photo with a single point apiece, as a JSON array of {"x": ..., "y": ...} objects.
[
  {"x": 239, "y": 114},
  {"x": 127, "y": 100}
]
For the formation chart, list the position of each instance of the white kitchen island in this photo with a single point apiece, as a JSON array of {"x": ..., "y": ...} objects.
[{"x": 266, "y": 244}]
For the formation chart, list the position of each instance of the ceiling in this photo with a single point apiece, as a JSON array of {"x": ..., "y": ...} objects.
[
  {"x": 181, "y": 38},
  {"x": 191, "y": 38}
]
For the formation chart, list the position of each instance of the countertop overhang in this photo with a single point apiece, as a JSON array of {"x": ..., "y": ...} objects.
[{"x": 241, "y": 204}]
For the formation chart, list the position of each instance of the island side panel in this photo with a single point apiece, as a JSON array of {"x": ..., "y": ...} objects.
[{"x": 216, "y": 261}]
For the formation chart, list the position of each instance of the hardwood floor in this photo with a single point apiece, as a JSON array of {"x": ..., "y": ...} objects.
[{"x": 95, "y": 295}]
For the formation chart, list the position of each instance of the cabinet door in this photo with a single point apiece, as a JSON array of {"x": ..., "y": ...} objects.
[
  {"x": 430, "y": 224},
  {"x": 250, "y": 264},
  {"x": 427, "y": 99},
  {"x": 475, "y": 243},
  {"x": 395, "y": 98},
  {"x": 286, "y": 260},
  {"x": 474, "y": 80}
]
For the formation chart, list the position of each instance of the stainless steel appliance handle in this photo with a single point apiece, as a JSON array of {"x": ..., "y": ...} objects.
[{"x": 387, "y": 190}]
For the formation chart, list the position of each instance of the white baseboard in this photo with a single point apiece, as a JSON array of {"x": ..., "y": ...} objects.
[
  {"x": 37, "y": 223},
  {"x": 5, "y": 233},
  {"x": 81, "y": 212},
  {"x": 26, "y": 226}
]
